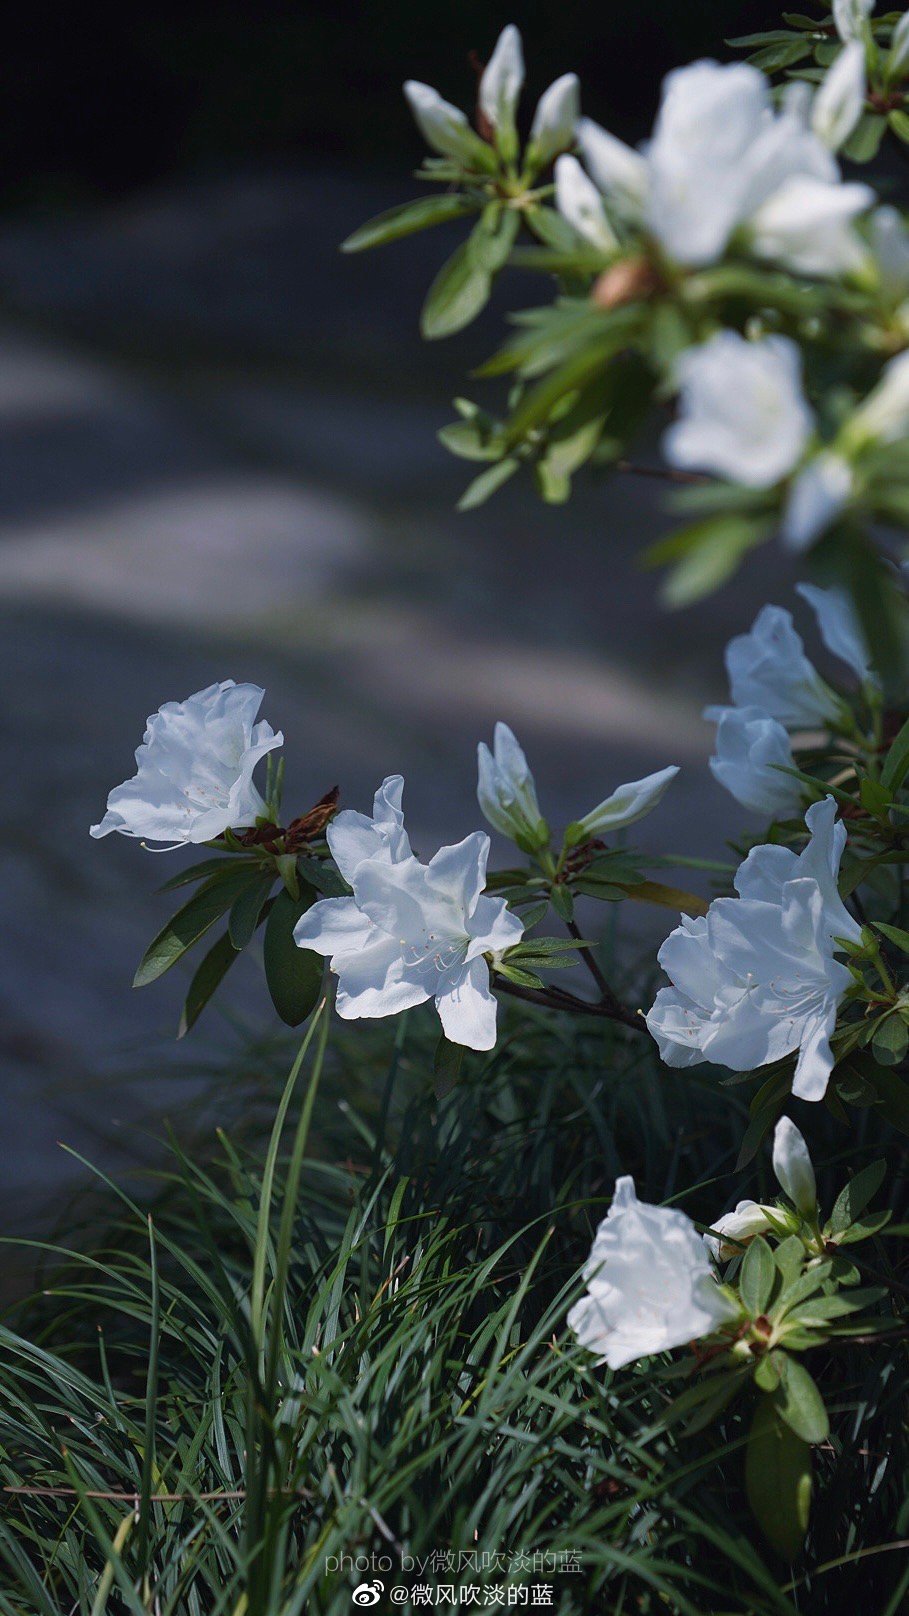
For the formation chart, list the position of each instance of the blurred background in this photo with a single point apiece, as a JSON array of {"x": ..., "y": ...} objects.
[{"x": 218, "y": 459}]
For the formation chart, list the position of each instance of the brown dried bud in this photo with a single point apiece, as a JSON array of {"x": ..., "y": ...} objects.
[
  {"x": 631, "y": 280},
  {"x": 311, "y": 824}
]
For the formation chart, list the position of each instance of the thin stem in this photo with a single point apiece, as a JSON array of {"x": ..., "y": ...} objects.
[
  {"x": 607, "y": 996},
  {"x": 558, "y": 999},
  {"x": 667, "y": 474}
]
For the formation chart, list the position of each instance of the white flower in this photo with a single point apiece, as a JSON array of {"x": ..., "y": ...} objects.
[
  {"x": 755, "y": 979},
  {"x": 792, "y": 1165},
  {"x": 503, "y": 78},
  {"x": 650, "y": 1284},
  {"x": 444, "y": 128},
  {"x": 627, "y": 804},
  {"x": 883, "y": 416},
  {"x": 890, "y": 246},
  {"x": 353, "y": 837},
  {"x": 840, "y": 99},
  {"x": 556, "y": 118},
  {"x": 819, "y": 492},
  {"x": 735, "y": 1229},
  {"x": 506, "y": 791},
  {"x": 194, "y": 769},
  {"x": 839, "y": 628},
  {"x": 719, "y": 151},
  {"x": 619, "y": 172},
  {"x": 807, "y": 226},
  {"x": 768, "y": 668},
  {"x": 850, "y": 17},
  {"x": 795, "y": 1175},
  {"x": 579, "y": 201},
  {"x": 742, "y": 413},
  {"x": 411, "y": 932},
  {"x": 752, "y": 749}
]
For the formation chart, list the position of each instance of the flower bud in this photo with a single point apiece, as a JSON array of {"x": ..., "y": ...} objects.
[
  {"x": 840, "y": 100},
  {"x": 506, "y": 791},
  {"x": 626, "y": 805},
  {"x": 792, "y": 1165},
  {"x": 581, "y": 204},
  {"x": 555, "y": 120}
]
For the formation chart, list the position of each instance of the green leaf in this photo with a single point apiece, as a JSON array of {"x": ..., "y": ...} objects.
[
  {"x": 896, "y": 763},
  {"x": 457, "y": 295},
  {"x": 487, "y": 484},
  {"x": 294, "y": 975},
  {"x": 192, "y": 921},
  {"x": 778, "y": 1479},
  {"x": 894, "y": 934},
  {"x": 205, "y": 871},
  {"x": 852, "y": 1200},
  {"x": 322, "y": 874},
  {"x": 247, "y": 909},
  {"x": 890, "y": 1040},
  {"x": 893, "y": 1097},
  {"x": 899, "y": 123},
  {"x": 562, "y": 901},
  {"x": 396, "y": 223},
  {"x": 207, "y": 979},
  {"x": 865, "y": 141},
  {"x": 798, "y": 1401},
  {"x": 757, "y": 1276},
  {"x": 447, "y": 1064},
  {"x": 714, "y": 550}
]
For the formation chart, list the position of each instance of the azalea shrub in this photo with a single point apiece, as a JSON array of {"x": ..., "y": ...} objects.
[{"x": 730, "y": 276}]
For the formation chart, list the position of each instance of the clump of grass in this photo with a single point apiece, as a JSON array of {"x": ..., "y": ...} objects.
[{"x": 348, "y": 1339}]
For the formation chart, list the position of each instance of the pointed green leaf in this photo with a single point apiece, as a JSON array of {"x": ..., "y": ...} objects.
[
  {"x": 852, "y": 1200},
  {"x": 778, "y": 1479},
  {"x": 191, "y": 922},
  {"x": 798, "y": 1401},
  {"x": 406, "y": 219},
  {"x": 208, "y": 977},
  {"x": 757, "y": 1276},
  {"x": 246, "y": 910},
  {"x": 294, "y": 975}
]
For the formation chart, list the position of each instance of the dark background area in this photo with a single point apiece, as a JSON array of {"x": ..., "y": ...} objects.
[
  {"x": 218, "y": 458},
  {"x": 98, "y": 105}
]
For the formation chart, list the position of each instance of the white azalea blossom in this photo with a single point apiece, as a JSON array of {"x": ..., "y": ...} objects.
[
  {"x": 795, "y": 1176},
  {"x": 506, "y": 791},
  {"x": 579, "y": 201},
  {"x": 807, "y": 225},
  {"x": 768, "y": 668},
  {"x": 719, "y": 158},
  {"x": 735, "y": 1229},
  {"x": 650, "y": 1283},
  {"x": 411, "y": 932},
  {"x": 353, "y": 837},
  {"x": 502, "y": 81},
  {"x": 839, "y": 628},
  {"x": 556, "y": 118},
  {"x": 889, "y": 241},
  {"x": 752, "y": 750},
  {"x": 194, "y": 771},
  {"x": 840, "y": 100},
  {"x": 626, "y": 805},
  {"x": 793, "y": 1168},
  {"x": 820, "y": 491},
  {"x": 755, "y": 979},
  {"x": 850, "y": 17},
  {"x": 742, "y": 413},
  {"x": 883, "y": 416}
]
